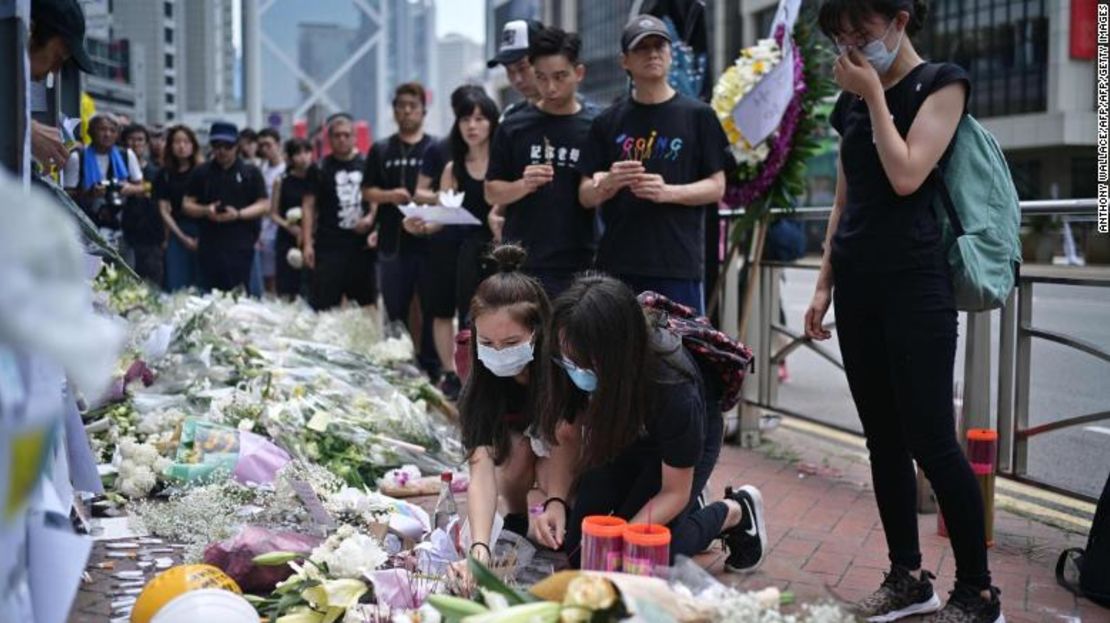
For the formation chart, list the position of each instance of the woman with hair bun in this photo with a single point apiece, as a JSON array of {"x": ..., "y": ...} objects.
[
  {"x": 497, "y": 409},
  {"x": 895, "y": 308}
]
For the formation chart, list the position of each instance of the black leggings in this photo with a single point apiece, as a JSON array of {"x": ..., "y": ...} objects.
[
  {"x": 623, "y": 486},
  {"x": 897, "y": 334}
]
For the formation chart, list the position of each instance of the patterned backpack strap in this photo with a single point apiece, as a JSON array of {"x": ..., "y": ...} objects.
[{"x": 713, "y": 349}]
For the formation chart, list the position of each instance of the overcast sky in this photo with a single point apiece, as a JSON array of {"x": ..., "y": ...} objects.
[{"x": 466, "y": 17}]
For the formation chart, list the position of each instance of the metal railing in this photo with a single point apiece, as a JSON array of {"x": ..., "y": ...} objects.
[{"x": 1017, "y": 334}]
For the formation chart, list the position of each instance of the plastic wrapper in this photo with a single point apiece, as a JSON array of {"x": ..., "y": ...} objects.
[
  {"x": 234, "y": 556},
  {"x": 210, "y": 451},
  {"x": 398, "y": 588}
]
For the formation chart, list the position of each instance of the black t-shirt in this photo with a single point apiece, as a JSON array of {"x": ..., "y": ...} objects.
[
  {"x": 588, "y": 107},
  {"x": 878, "y": 230},
  {"x": 170, "y": 186},
  {"x": 436, "y": 158},
  {"x": 293, "y": 191},
  {"x": 391, "y": 164},
  {"x": 513, "y": 109},
  {"x": 142, "y": 220},
  {"x": 237, "y": 187},
  {"x": 550, "y": 222},
  {"x": 474, "y": 200},
  {"x": 339, "y": 205},
  {"x": 680, "y": 139},
  {"x": 674, "y": 427}
]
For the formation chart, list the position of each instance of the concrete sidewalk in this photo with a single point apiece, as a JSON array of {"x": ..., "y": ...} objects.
[{"x": 826, "y": 540}]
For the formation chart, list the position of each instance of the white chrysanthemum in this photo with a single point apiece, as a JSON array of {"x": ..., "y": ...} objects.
[
  {"x": 295, "y": 258},
  {"x": 350, "y": 554},
  {"x": 294, "y": 215}
]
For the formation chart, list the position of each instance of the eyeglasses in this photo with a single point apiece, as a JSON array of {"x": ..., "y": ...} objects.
[
  {"x": 222, "y": 146},
  {"x": 565, "y": 364}
]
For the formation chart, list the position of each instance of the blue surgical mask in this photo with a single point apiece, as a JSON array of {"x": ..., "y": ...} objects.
[
  {"x": 509, "y": 361},
  {"x": 584, "y": 379},
  {"x": 876, "y": 53}
]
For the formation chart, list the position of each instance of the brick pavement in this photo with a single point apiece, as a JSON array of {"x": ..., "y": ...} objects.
[{"x": 826, "y": 541}]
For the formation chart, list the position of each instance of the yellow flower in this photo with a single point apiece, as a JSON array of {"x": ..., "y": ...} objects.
[
  {"x": 590, "y": 591},
  {"x": 335, "y": 596}
]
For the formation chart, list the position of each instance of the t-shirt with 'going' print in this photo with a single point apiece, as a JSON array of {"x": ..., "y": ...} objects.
[{"x": 679, "y": 139}]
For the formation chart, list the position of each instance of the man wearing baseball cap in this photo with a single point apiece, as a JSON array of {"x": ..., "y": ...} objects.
[
  {"x": 229, "y": 197},
  {"x": 512, "y": 53},
  {"x": 57, "y": 36},
  {"x": 654, "y": 162}
]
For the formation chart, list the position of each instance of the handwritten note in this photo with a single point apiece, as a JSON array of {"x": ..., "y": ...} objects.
[{"x": 759, "y": 113}]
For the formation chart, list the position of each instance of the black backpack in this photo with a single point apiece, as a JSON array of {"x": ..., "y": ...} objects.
[
  {"x": 1093, "y": 562},
  {"x": 724, "y": 362}
]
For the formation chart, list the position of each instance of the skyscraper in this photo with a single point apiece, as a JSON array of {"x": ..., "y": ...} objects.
[
  {"x": 210, "y": 56},
  {"x": 411, "y": 52},
  {"x": 117, "y": 83},
  {"x": 461, "y": 60},
  {"x": 377, "y": 43},
  {"x": 158, "y": 27},
  {"x": 321, "y": 50}
]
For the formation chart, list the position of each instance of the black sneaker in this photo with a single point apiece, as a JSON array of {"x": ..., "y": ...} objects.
[
  {"x": 747, "y": 541},
  {"x": 901, "y": 595},
  {"x": 966, "y": 605},
  {"x": 451, "y": 386}
]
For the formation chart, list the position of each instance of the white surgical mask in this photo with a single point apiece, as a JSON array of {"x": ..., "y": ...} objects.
[
  {"x": 509, "y": 361},
  {"x": 876, "y": 53}
]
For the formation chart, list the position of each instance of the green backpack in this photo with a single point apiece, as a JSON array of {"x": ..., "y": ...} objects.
[{"x": 979, "y": 213}]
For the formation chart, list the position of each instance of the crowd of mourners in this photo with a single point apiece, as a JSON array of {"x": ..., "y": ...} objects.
[{"x": 578, "y": 399}]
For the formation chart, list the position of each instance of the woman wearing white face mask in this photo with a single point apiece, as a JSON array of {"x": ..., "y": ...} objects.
[
  {"x": 531, "y": 481},
  {"x": 895, "y": 309}
]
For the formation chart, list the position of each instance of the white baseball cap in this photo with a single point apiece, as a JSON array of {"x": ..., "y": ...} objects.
[{"x": 515, "y": 38}]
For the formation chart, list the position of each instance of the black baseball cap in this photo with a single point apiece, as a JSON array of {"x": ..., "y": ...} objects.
[
  {"x": 642, "y": 27},
  {"x": 223, "y": 132},
  {"x": 516, "y": 36},
  {"x": 68, "y": 19}
]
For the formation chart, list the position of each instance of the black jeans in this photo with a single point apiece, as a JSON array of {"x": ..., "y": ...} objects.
[
  {"x": 225, "y": 268},
  {"x": 623, "y": 486},
  {"x": 897, "y": 334}
]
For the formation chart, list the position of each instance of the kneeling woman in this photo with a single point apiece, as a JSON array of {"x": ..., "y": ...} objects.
[
  {"x": 509, "y": 312},
  {"x": 651, "y": 430}
]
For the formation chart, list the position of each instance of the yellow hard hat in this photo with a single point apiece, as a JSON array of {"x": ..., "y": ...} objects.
[{"x": 174, "y": 582}]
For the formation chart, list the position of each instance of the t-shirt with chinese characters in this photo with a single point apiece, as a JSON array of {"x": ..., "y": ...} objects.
[
  {"x": 393, "y": 163},
  {"x": 238, "y": 186},
  {"x": 679, "y": 139},
  {"x": 550, "y": 223},
  {"x": 339, "y": 204}
]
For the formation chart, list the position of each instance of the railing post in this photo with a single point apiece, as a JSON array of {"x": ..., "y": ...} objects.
[
  {"x": 774, "y": 312},
  {"x": 977, "y": 374},
  {"x": 728, "y": 311},
  {"x": 750, "y": 415},
  {"x": 1022, "y": 376},
  {"x": 1006, "y": 353}
]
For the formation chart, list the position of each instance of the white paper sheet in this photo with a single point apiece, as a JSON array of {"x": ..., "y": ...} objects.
[
  {"x": 57, "y": 560},
  {"x": 447, "y": 215},
  {"x": 112, "y": 528}
]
